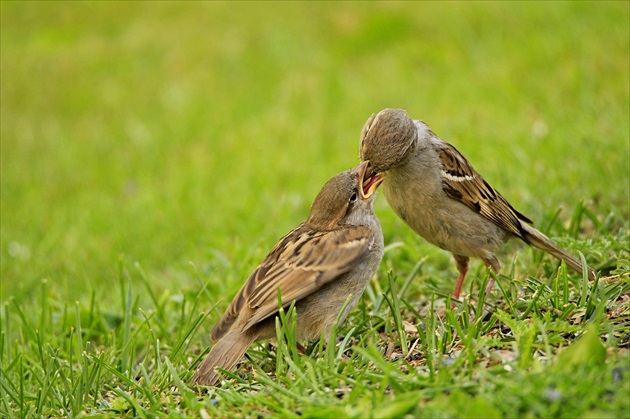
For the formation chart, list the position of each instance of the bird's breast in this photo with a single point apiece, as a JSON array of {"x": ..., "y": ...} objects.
[{"x": 439, "y": 219}]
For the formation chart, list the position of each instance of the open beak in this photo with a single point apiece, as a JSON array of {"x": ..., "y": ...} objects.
[{"x": 369, "y": 184}]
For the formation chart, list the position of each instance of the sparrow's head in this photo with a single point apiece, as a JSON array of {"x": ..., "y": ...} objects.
[
  {"x": 344, "y": 199},
  {"x": 386, "y": 139}
]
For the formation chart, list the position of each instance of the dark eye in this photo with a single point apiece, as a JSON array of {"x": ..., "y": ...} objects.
[{"x": 353, "y": 198}]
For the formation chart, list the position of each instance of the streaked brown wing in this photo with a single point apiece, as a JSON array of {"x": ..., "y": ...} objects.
[
  {"x": 299, "y": 264},
  {"x": 239, "y": 301},
  {"x": 462, "y": 182},
  {"x": 312, "y": 261},
  {"x": 231, "y": 314}
]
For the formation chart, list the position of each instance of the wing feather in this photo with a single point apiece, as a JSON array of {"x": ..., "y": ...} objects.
[
  {"x": 301, "y": 262},
  {"x": 461, "y": 182}
]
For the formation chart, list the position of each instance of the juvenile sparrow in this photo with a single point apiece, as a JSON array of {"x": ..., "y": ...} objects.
[
  {"x": 332, "y": 255},
  {"x": 437, "y": 192}
]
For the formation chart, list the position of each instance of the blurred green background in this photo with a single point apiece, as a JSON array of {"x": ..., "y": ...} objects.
[{"x": 188, "y": 137}]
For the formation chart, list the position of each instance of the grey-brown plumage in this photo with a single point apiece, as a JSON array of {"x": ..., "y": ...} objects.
[
  {"x": 330, "y": 256},
  {"x": 436, "y": 191}
]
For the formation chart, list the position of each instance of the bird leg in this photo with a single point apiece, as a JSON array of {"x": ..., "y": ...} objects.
[
  {"x": 301, "y": 349},
  {"x": 462, "y": 267},
  {"x": 490, "y": 284},
  {"x": 493, "y": 269}
]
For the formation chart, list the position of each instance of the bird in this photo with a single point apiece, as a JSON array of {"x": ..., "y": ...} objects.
[
  {"x": 435, "y": 190},
  {"x": 318, "y": 265}
]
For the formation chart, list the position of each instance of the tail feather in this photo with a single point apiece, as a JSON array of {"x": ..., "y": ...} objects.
[
  {"x": 224, "y": 354},
  {"x": 542, "y": 242}
]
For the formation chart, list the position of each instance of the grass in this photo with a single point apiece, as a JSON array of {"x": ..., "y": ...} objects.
[{"x": 152, "y": 153}]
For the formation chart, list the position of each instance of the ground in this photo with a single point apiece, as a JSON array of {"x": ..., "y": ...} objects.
[{"x": 153, "y": 153}]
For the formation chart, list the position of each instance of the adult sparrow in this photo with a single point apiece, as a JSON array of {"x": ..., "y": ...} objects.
[
  {"x": 437, "y": 192},
  {"x": 330, "y": 256}
]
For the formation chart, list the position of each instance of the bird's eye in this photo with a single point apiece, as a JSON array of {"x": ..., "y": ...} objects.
[{"x": 353, "y": 198}]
